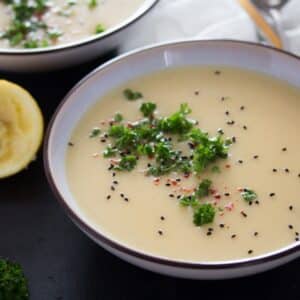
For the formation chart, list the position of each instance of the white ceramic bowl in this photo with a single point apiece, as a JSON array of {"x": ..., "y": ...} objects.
[
  {"x": 66, "y": 55},
  {"x": 243, "y": 55}
]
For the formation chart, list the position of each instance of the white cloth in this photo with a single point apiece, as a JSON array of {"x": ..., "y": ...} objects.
[{"x": 207, "y": 19}]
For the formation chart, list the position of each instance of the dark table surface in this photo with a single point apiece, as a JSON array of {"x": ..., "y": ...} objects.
[{"x": 62, "y": 263}]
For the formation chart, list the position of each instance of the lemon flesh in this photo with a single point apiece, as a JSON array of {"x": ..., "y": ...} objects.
[{"x": 21, "y": 128}]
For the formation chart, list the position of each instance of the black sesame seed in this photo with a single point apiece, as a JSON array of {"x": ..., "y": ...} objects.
[
  {"x": 115, "y": 182},
  {"x": 112, "y": 188},
  {"x": 162, "y": 218},
  {"x": 255, "y": 156},
  {"x": 299, "y": 175},
  {"x": 255, "y": 233},
  {"x": 227, "y": 113},
  {"x": 113, "y": 174},
  {"x": 191, "y": 145},
  {"x": 178, "y": 179},
  {"x": 106, "y": 135},
  {"x": 220, "y": 131},
  {"x": 168, "y": 184},
  {"x": 126, "y": 199},
  {"x": 160, "y": 232},
  {"x": 122, "y": 195},
  {"x": 250, "y": 203},
  {"x": 245, "y": 127},
  {"x": 222, "y": 225},
  {"x": 291, "y": 226},
  {"x": 257, "y": 202},
  {"x": 210, "y": 229},
  {"x": 230, "y": 122},
  {"x": 284, "y": 149},
  {"x": 233, "y": 139},
  {"x": 196, "y": 93},
  {"x": 274, "y": 170},
  {"x": 148, "y": 165},
  {"x": 171, "y": 195},
  {"x": 244, "y": 214},
  {"x": 108, "y": 197},
  {"x": 296, "y": 233},
  {"x": 70, "y": 144},
  {"x": 242, "y": 107},
  {"x": 217, "y": 72},
  {"x": 250, "y": 251},
  {"x": 291, "y": 207},
  {"x": 179, "y": 196},
  {"x": 286, "y": 170},
  {"x": 272, "y": 194},
  {"x": 296, "y": 239},
  {"x": 227, "y": 194},
  {"x": 240, "y": 161},
  {"x": 209, "y": 233},
  {"x": 110, "y": 167},
  {"x": 103, "y": 140},
  {"x": 233, "y": 236}
]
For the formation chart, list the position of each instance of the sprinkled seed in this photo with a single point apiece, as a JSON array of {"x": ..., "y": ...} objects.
[
  {"x": 274, "y": 170},
  {"x": 160, "y": 232},
  {"x": 209, "y": 233},
  {"x": 178, "y": 179},
  {"x": 113, "y": 174},
  {"x": 217, "y": 72},
  {"x": 299, "y": 175},
  {"x": 70, "y": 144},
  {"x": 112, "y": 188},
  {"x": 168, "y": 184},
  {"x": 103, "y": 140},
  {"x": 220, "y": 131},
  {"x": 255, "y": 156},
  {"x": 291, "y": 226},
  {"x": 115, "y": 182},
  {"x": 222, "y": 225},
  {"x": 227, "y": 194},
  {"x": 179, "y": 196},
  {"x": 210, "y": 229},
  {"x": 296, "y": 233},
  {"x": 126, "y": 199},
  {"x": 250, "y": 251},
  {"x": 245, "y": 127},
  {"x": 108, "y": 197},
  {"x": 110, "y": 167},
  {"x": 122, "y": 195},
  {"x": 227, "y": 113},
  {"x": 171, "y": 195},
  {"x": 296, "y": 239},
  {"x": 191, "y": 145},
  {"x": 230, "y": 122},
  {"x": 291, "y": 207},
  {"x": 196, "y": 93},
  {"x": 255, "y": 233},
  {"x": 272, "y": 194},
  {"x": 240, "y": 161},
  {"x": 286, "y": 170},
  {"x": 257, "y": 202},
  {"x": 233, "y": 236},
  {"x": 244, "y": 214},
  {"x": 242, "y": 107},
  {"x": 233, "y": 139},
  {"x": 162, "y": 218},
  {"x": 284, "y": 149}
]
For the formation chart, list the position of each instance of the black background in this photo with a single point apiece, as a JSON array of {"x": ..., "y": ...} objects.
[{"x": 62, "y": 263}]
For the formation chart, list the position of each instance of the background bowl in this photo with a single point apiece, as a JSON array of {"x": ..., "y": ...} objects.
[
  {"x": 66, "y": 55},
  {"x": 228, "y": 53}
]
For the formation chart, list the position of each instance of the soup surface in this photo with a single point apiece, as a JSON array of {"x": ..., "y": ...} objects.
[
  {"x": 33, "y": 23},
  {"x": 252, "y": 196}
]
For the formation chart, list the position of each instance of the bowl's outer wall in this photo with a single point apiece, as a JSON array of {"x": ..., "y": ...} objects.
[{"x": 251, "y": 56}]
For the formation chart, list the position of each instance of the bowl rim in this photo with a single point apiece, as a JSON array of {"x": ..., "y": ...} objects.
[
  {"x": 133, "y": 18},
  {"x": 118, "y": 246}
]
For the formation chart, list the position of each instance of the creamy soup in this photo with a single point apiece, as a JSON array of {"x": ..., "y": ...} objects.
[
  {"x": 242, "y": 205},
  {"x": 33, "y": 23}
]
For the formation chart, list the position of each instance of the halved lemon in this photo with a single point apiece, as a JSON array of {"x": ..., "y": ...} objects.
[{"x": 21, "y": 128}]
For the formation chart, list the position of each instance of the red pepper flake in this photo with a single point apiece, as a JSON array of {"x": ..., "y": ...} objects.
[
  {"x": 244, "y": 214},
  {"x": 156, "y": 181},
  {"x": 217, "y": 196},
  {"x": 229, "y": 206}
]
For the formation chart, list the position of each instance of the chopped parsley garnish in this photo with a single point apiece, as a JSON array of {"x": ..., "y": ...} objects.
[
  {"x": 95, "y": 132},
  {"x": 131, "y": 95},
  {"x": 249, "y": 195},
  {"x": 152, "y": 137},
  {"x": 148, "y": 109},
  {"x": 26, "y": 22},
  {"x": 204, "y": 214},
  {"x": 203, "y": 188},
  {"x": 99, "y": 28}
]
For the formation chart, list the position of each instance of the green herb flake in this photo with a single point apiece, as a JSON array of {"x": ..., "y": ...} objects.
[
  {"x": 118, "y": 118},
  {"x": 95, "y": 132},
  {"x": 99, "y": 28},
  {"x": 148, "y": 109},
  {"x": 127, "y": 163},
  {"x": 13, "y": 284},
  {"x": 216, "y": 169},
  {"x": 189, "y": 201},
  {"x": 93, "y": 3},
  {"x": 203, "y": 188},
  {"x": 110, "y": 152},
  {"x": 131, "y": 95},
  {"x": 249, "y": 195},
  {"x": 204, "y": 214}
]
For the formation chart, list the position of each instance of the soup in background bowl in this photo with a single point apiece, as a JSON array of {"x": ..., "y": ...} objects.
[{"x": 186, "y": 162}]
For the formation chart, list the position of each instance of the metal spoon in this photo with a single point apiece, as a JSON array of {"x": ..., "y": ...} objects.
[{"x": 272, "y": 11}]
